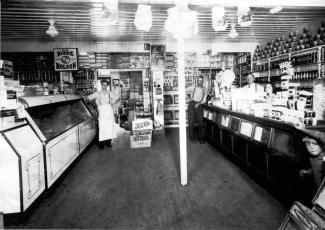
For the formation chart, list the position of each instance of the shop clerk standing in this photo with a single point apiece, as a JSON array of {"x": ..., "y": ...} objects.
[
  {"x": 105, "y": 101},
  {"x": 251, "y": 85},
  {"x": 195, "y": 113}
]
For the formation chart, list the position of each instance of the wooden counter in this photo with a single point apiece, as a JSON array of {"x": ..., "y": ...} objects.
[{"x": 270, "y": 151}]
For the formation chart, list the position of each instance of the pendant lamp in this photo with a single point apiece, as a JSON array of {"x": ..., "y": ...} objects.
[
  {"x": 52, "y": 31},
  {"x": 182, "y": 22},
  {"x": 244, "y": 15},
  {"x": 143, "y": 17},
  {"x": 233, "y": 33},
  {"x": 219, "y": 22}
]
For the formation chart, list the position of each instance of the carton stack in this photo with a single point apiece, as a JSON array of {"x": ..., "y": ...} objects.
[{"x": 141, "y": 134}]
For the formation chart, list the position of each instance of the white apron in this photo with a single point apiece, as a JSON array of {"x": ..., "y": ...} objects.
[
  {"x": 106, "y": 119},
  {"x": 106, "y": 122}
]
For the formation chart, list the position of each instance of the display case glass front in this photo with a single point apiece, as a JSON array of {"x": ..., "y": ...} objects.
[
  {"x": 225, "y": 120},
  {"x": 54, "y": 119},
  {"x": 235, "y": 122},
  {"x": 246, "y": 128},
  {"x": 282, "y": 142},
  {"x": 262, "y": 134}
]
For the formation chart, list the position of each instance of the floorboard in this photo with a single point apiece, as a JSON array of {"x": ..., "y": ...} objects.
[{"x": 123, "y": 188}]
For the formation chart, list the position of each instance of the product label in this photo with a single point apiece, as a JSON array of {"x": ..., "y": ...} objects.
[
  {"x": 7, "y": 113},
  {"x": 11, "y": 94}
]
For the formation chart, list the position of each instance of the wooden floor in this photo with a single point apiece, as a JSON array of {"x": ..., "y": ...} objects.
[{"x": 123, "y": 188}]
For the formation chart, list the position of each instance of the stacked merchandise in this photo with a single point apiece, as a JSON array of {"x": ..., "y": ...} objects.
[
  {"x": 6, "y": 69},
  {"x": 135, "y": 86},
  {"x": 204, "y": 60},
  {"x": 294, "y": 42},
  {"x": 83, "y": 60},
  {"x": 92, "y": 60},
  {"x": 171, "y": 118},
  {"x": 146, "y": 91},
  {"x": 243, "y": 68},
  {"x": 85, "y": 81},
  {"x": 101, "y": 60},
  {"x": 128, "y": 61},
  {"x": 141, "y": 134}
]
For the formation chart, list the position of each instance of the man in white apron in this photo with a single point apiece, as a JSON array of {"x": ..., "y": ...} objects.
[{"x": 105, "y": 101}]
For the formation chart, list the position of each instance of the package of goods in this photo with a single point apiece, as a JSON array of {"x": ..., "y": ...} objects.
[
  {"x": 3, "y": 96},
  {"x": 141, "y": 133},
  {"x": 140, "y": 139},
  {"x": 6, "y": 69},
  {"x": 142, "y": 124}
]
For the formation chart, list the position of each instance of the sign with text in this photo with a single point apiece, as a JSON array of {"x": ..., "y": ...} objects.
[
  {"x": 142, "y": 124},
  {"x": 65, "y": 59}
]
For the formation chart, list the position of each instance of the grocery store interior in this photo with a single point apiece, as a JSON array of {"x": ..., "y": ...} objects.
[{"x": 162, "y": 114}]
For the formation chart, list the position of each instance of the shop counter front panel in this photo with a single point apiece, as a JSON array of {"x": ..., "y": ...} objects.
[
  {"x": 10, "y": 166},
  {"x": 30, "y": 149},
  {"x": 87, "y": 132},
  {"x": 216, "y": 133},
  {"x": 240, "y": 147},
  {"x": 60, "y": 153},
  {"x": 271, "y": 150}
]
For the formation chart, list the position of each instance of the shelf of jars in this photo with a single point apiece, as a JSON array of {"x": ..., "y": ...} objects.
[{"x": 308, "y": 64}]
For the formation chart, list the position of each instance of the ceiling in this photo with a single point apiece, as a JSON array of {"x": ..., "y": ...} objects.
[{"x": 28, "y": 20}]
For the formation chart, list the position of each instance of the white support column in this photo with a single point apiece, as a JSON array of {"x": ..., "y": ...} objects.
[
  {"x": 1, "y": 221},
  {"x": 182, "y": 111}
]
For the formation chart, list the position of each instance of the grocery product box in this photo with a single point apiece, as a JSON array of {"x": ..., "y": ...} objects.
[
  {"x": 141, "y": 139},
  {"x": 142, "y": 124}
]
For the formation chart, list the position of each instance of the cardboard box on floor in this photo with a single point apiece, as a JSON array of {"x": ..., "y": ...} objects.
[{"x": 141, "y": 134}]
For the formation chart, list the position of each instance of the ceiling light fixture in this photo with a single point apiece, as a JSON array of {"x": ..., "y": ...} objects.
[
  {"x": 244, "y": 14},
  {"x": 109, "y": 12},
  {"x": 233, "y": 33},
  {"x": 143, "y": 17},
  {"x": 219, "y": 22},
  {"x": 182, "y": 22},
  {"x": 275, "y": 10},
  {"x": 52, "y": 31}
]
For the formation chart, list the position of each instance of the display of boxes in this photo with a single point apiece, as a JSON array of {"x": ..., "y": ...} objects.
[
  {"x": 140, "y": 139},
  {"x": 141, "y": 134}
]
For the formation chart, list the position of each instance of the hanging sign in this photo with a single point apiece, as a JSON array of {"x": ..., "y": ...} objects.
[
  {"x": 157, "y": 57},
  {"x": 65, "y": 59}
]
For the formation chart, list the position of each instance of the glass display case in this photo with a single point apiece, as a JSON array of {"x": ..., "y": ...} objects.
[{"x": 54, "y": 119}]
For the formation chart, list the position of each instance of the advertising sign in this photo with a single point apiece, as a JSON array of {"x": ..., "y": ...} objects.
[
  {"x": 65, "y": 59},
  {"x": 158, "y": 99},
  {"x": 157, "y": 57},
  {"x": 141, "y": 124}
]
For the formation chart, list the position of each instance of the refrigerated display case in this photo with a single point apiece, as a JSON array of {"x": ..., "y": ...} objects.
[{"x": 36, "y": 149}]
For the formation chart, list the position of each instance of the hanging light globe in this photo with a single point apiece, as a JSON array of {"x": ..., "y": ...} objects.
[{"x": 143, "y": 17}]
